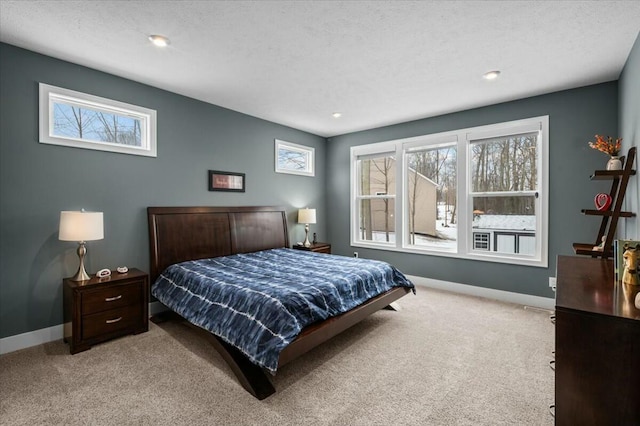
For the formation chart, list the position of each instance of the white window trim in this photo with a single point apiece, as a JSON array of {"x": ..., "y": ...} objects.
[
  {"x": 49, "y": 94},
  {"x": 290, "y": 146},
  {"x": 465, "y": 232},
  {"x": 370, "y": 151}
]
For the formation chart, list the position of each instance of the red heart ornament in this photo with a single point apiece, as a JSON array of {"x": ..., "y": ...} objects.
[{"x": 603, "y": 201}]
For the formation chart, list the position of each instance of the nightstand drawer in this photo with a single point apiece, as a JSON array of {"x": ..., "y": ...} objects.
[
  {"x": 112, "y": 297},
  {"x": 324, "y": 249},
  {"x": 112, "y": 321}
]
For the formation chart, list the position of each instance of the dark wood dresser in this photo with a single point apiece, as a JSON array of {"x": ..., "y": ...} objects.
[
  {"x": 597, "y": 345},
  {"x": 104, "y": 308}
]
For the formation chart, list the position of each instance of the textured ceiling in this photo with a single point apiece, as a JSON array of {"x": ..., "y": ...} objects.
[{"x": 377, "y": 63}]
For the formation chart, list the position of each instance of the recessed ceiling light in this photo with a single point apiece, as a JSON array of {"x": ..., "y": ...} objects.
[
  {"x": 158, "y": 40},
  {"x": 337, "y": 114},
  {"x": 491, "y": 75}
]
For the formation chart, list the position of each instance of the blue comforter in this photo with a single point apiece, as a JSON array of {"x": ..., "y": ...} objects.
[{"x": 259, "y": 302}]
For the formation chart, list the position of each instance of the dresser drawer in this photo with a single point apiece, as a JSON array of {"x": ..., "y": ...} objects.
[
  {"x": 111, "y": 321},
  {"x": 111, "y": 297}
]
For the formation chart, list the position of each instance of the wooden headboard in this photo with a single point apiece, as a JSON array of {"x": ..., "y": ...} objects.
[{"x": 178, "y": 234}]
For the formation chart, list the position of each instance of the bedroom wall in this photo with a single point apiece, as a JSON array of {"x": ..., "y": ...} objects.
[
  {"x": 38, "y": 180},
  {"x": 575, "y": 116},
  {"x": 629, "y": 93}
]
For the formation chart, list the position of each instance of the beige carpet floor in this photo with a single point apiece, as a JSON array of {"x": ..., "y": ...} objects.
[{"x": 443, "y": 359}]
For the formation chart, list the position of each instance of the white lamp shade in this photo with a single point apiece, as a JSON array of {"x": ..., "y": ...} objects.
[
  {"x": 307, "y": 216},
  {"x": 81, "y": 226}
]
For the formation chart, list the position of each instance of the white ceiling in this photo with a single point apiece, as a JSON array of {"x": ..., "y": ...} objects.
[{"x": 376, "y": 62}]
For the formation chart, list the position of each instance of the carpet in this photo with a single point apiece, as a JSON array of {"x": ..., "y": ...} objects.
[{"x": 443, "y": 359}]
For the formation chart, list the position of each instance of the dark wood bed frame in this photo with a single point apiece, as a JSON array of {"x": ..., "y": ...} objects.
[{"x": 178, "y": 234}]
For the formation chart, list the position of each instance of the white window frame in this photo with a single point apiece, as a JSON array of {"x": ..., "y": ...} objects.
[
  {"x": 49, "y": 95},
  {"x": 307, "y": 151},
  {"x": 463, "y": 138},
  {"x": 356, "y": 197}
]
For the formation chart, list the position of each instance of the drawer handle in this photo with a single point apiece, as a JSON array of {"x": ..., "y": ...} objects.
[
  {"x": 111, "y": 321},
  {"x": 111, "y": 299}
]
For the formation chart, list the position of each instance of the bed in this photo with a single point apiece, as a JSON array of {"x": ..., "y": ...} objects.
[{"x": 193, "y": 247}]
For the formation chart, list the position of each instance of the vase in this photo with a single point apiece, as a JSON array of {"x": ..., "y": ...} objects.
[{"x": 614, "y": 163}]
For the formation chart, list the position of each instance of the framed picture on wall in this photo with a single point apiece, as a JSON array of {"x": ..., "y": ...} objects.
[
  {"x": 226, "y": 181},
  {"x": 295, "y": 159}
]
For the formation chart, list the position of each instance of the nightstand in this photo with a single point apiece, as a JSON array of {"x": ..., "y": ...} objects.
[
  {"x": 317, "y": 248},
  {"x": 104, "y": 308}
]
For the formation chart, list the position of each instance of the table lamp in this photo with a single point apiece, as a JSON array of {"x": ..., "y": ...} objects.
[
  {"x": 81, "y": 226},
  {"x": 307, "y": 216}
]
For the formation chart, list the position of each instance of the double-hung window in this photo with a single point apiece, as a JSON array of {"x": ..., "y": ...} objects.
[
  {"x": 375, "y": 189},
  {"x": 478, "y": 193}
]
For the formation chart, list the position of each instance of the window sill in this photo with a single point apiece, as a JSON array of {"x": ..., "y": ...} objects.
[{"x": 483, "y": 257}]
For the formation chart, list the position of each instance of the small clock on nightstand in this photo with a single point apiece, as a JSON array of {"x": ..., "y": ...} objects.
[{"x": 316, "y": 248}]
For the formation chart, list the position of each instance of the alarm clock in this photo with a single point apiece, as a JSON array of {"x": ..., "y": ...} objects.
[{"x": 103, "y": 273}]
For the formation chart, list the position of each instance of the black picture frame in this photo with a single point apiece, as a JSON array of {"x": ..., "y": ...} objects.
[{"x": 226, "y": 181}]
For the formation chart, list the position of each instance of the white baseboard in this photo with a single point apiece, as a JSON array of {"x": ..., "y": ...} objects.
[
  {"x": 489, "y": 293},
  {"x": 56, "y": 332},
  {"x": 49, "y": 334},
  {"x": 31, "y": 338}
]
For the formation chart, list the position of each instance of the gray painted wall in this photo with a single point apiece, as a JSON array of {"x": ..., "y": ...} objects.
[
  {"x": 37, "y": 181},
  {"x": 575, "y": 116},
  {"x": 629, "y": 92}
]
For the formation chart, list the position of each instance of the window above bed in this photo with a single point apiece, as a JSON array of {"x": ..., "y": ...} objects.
[
  {"x": 80, "y": 120},
  {"x": 294, "y": 159}
]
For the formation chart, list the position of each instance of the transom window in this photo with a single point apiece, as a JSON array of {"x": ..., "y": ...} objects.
[
  {"x": 76, "y": 119},
  {"x": 477, "y": 193}
]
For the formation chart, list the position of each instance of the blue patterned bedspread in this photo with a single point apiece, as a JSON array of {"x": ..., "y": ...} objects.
[{"x": 259, "y": 302}]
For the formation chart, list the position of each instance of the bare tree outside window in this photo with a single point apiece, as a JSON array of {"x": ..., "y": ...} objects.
[
  {"x": 506, "y": 164},
  {"x": 87, "y": 124}
]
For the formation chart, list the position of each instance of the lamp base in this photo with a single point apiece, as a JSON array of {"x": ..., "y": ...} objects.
[
  {"x": 81, "y": 275},
  {"x": 306, "y": 236}
]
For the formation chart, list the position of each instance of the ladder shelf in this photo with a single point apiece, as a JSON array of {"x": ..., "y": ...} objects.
[{"x": 603, "y": 245}]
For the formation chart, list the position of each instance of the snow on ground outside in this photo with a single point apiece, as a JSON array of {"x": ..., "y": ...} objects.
[{"x": 448, "y": 234}]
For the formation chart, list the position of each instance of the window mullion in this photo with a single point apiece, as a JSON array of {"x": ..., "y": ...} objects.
[
  {"x": 399, "y": 199},
  {"x": 463, "y": 179}
]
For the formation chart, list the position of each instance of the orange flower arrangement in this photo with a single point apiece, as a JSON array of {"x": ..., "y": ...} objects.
[{"x": 608, "y": 145}]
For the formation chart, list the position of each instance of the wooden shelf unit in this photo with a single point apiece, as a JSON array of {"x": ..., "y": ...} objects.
[{"x": 619, "y": 180}]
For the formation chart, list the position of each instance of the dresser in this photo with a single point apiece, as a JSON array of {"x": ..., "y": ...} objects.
[
  {"x": 100, "y": 309},
  {"x": 597, "y": 366}
]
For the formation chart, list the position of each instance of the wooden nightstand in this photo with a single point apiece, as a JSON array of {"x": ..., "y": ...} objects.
[
  {"x": 317, "y": 248},
  {"x": 104, "y": 308}
]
